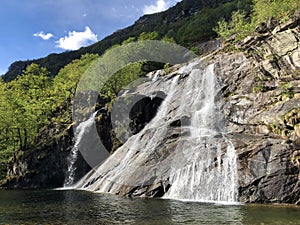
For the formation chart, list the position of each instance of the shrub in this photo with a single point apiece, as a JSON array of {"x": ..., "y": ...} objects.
[{"x": 237, "y": 27}]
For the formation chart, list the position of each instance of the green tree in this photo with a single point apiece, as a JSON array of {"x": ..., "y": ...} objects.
[
  {"x": 121, "y": 79},
  {"x": 29, "y": 102},
  {"x": 129, "y": 40},
  {"x": 168, "y": 39},
  {"x": 148, "y": 36},
  {"x": 238, "y": 26},
  {"x": 65, "y": 85},
  {"x": 24, "y": 110},
  {"x": 35, "y": 70},
  {"x": 242, "y": 24},
  {"x": 66, "y": 81}
]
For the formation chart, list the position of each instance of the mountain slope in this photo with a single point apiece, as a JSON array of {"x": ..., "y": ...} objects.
[{"x": 189, "y": 22}]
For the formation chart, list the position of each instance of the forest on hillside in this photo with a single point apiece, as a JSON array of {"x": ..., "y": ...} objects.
[{"x": 189, "y": 23}]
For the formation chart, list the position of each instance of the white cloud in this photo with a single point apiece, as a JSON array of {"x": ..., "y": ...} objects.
[
  {"x": 43, "y": 35},
  {"x": 160, "y": 5},
  {"x": 75, "y": 39}
]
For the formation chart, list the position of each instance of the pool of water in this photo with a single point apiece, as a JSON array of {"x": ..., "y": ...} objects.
[{"x": 79, "y": 207}]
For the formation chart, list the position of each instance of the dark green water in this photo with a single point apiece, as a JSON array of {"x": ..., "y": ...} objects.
[{"x": 76, "y": 207}]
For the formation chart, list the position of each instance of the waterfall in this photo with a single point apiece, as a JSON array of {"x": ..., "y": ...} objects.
[
  {"x": 209, "y": 172},
  {"x": 72, "y": 158},
  {"x": 117, "y": 170},
  {"x": 195, "y": 158}
]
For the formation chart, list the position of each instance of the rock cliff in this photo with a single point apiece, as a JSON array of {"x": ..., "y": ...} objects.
[
  {"x": 42, "y": 166},
  {"x": 258, "y": 91},
  {"x": 262, "y": 107}
]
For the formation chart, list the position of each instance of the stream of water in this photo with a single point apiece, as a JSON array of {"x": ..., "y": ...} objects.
[{"x": 79, "y": 134}]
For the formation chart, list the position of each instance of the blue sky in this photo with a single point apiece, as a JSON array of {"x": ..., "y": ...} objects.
[{"x": 35, "y": 28}]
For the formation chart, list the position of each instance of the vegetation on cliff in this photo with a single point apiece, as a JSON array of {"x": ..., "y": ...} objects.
[
  {"x": 28, "y": 103},
  {"x": 242, "y": 23}
]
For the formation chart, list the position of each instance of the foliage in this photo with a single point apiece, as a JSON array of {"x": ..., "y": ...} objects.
[
  {"x": 65, "y": 82},
  {"x": 279, "y": 9},
  {"x": 121, "y": 79},
  {"x": 28, "y": 102},
  {"x": 241, "y": 24},
  {"x": 148, "y": 36},
  {"x": 129, "y": 40},
  {"x": 238, "y": 26},
  {"x": 24, "y": 110},
  {"x": 200, "y": 27},
  {"x": 195, "y": 50},
  {"x": 259, "y": 88},
  {"x": 168, "y": 39}
]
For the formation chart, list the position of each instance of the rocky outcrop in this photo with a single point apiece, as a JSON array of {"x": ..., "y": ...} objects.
[
  {"x": 261, "y": 104},
  {"x": 262, "y": 100},
  {"x": 43, "y": 166},
  {"x": 267, "y": 173}
]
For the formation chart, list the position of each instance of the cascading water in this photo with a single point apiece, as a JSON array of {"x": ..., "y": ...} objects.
[
  {"x": 79, "y": 134},
  {"x": 199, "y": 164},
  {"x": 209, "y": 173},
  {"x": 116, "y": 170}
]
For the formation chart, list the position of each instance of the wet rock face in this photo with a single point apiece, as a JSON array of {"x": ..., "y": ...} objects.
[
  {"x": 143, "y": 112},
  {"x": 261, "y": 107},
  {"x": 267, "y": 173}
]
